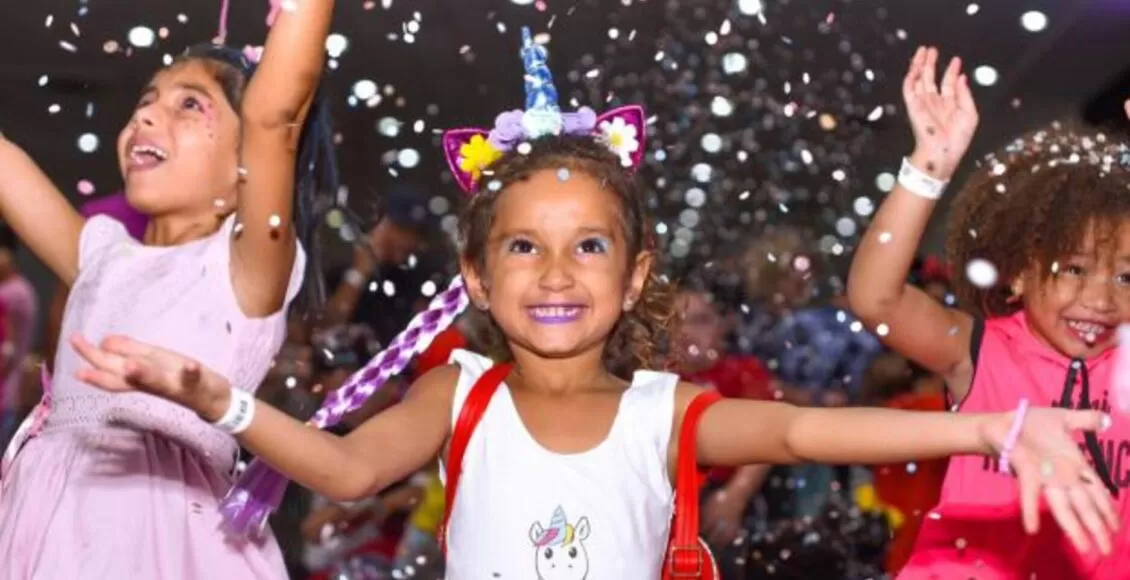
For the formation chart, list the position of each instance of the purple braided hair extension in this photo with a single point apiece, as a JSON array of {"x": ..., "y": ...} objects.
[{"x": 259, "y": 490}]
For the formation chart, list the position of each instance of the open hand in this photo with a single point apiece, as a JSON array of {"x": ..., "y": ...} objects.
[
  {"x": 942, "y": 117},
  {"x": 1047, "y": 461},
  {"x": 123, "y": 364}
]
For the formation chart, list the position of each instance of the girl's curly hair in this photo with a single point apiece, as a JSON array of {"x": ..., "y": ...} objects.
[
  {"x": 637, "y": 336},
  {"x": 1033, "y": 204}
]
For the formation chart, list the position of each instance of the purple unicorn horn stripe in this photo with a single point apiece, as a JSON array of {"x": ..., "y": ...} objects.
[{"x": 260, "y": 489}]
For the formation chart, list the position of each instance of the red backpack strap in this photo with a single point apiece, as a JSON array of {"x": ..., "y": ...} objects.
[
  {"x": 473, "y": 409},
  {"x": 684, "y": 527}
]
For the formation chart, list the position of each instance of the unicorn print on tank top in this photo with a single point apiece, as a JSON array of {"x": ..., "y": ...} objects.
[{"x": 559, "y": 550}]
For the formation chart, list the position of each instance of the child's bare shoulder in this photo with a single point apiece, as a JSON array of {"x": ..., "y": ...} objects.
[{"x": 438, "y": 384}]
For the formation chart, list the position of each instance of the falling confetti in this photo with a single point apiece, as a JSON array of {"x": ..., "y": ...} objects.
[
  {"x": 981, "y": 273},
  {"x": 751, "y": 116}
]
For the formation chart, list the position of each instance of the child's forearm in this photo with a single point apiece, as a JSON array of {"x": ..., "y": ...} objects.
[
  {"x": 320, "y": 461},
  {"x": 373, "y": 456},
  {"x": 285, "y": 82},
  {"x": 883, "y": 259},
  {"x": 28, "y": 201},
  {"x": 870, "y": 436},
  {"x": 274, "y": 110}
]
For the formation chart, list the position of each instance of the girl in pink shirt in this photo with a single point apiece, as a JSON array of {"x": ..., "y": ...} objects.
[{"x": 1040, "y": 234}]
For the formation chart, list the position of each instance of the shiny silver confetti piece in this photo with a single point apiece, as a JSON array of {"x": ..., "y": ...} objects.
[
  {"x": 274, "y": 221},
  {"x": 563, "y": 174},
  {"x": 981, "y": 273}
]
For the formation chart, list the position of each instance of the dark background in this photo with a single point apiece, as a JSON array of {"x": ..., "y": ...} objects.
[{"x": 462, "y": 68}]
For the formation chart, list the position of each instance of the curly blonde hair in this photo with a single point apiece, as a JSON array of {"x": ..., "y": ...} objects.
[
  {"x": 637, "y": 336},
  {"x": 1031, "y": 205}
]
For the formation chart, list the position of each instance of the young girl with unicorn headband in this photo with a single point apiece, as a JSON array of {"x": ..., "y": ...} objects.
[
  {"x": 569, "y": 472},
  {"x": 103, "y": 486}
]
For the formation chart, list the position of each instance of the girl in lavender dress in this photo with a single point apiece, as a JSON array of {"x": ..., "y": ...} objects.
[{"x": 128, "y": 487}]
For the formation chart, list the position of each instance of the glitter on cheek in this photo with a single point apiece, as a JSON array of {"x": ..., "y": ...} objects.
[{"x": 210, "y": 119}]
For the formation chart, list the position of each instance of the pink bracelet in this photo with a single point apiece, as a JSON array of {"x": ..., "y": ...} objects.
[{"x": 1013, "y": 436}]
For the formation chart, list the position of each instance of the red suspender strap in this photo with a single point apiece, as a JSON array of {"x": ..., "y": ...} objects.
[
  {"x": 684, "y": 538},
  {"x": 473, "y": 408}
]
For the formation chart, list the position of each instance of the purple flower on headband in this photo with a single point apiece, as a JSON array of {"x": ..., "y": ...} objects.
[
  {"x": 507, "y": 130},
  {"x": 580, "y": 123},
  {"x": 513, "y": 127}
]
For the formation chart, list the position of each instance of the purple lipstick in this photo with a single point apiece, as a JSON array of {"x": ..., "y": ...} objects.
[{"x": 555, "y": 313}]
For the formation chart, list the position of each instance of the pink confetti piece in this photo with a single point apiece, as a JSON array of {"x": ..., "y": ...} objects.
[
  {"x": 222, "y": 33},
  {"x": 273, "y": 14},
  {"x": 85, "y": 187}
]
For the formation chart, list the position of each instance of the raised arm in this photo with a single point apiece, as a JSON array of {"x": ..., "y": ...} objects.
[
  {"x": 1043, "y": 453},
  {"x": 38, "y": 212},
  {"x": 273, "y": 111},
  {"x": 918, "y": 326},
  {"x": 382, "y": 451}
]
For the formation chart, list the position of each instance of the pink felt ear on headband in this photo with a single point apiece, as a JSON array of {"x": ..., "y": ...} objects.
[
  {"x": 453, "y": 141},
  {"x": 634, "y": 116}
]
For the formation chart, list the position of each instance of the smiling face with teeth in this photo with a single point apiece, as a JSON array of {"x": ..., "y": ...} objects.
[
  {"x": 557, "y": 265},
  {"x": 1076, "y": 304},
  {"x": 178, "y": 153}
]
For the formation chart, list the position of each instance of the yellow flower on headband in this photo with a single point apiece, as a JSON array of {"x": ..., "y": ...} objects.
[{"x": 476, "y": 155}]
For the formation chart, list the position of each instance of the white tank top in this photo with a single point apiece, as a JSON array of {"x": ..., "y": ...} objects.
[{"x": 523, "y": 512}]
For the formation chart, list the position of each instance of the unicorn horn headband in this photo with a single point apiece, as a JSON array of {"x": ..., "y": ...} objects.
[{"x": 469, "y": 152}]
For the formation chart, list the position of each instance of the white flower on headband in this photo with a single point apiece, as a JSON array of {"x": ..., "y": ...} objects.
[{"x": 621, "y": 138}]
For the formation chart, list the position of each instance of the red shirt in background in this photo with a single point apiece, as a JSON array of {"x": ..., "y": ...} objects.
[
  {"x": 913, "y": 491},
  {"x": 735, "y": 377}
]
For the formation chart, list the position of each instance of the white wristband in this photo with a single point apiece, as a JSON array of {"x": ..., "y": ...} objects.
[
  {"x": 919, "y": 183},
  {"x": 241, "y": 410},
  {"x": 354, "y": 278}
]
